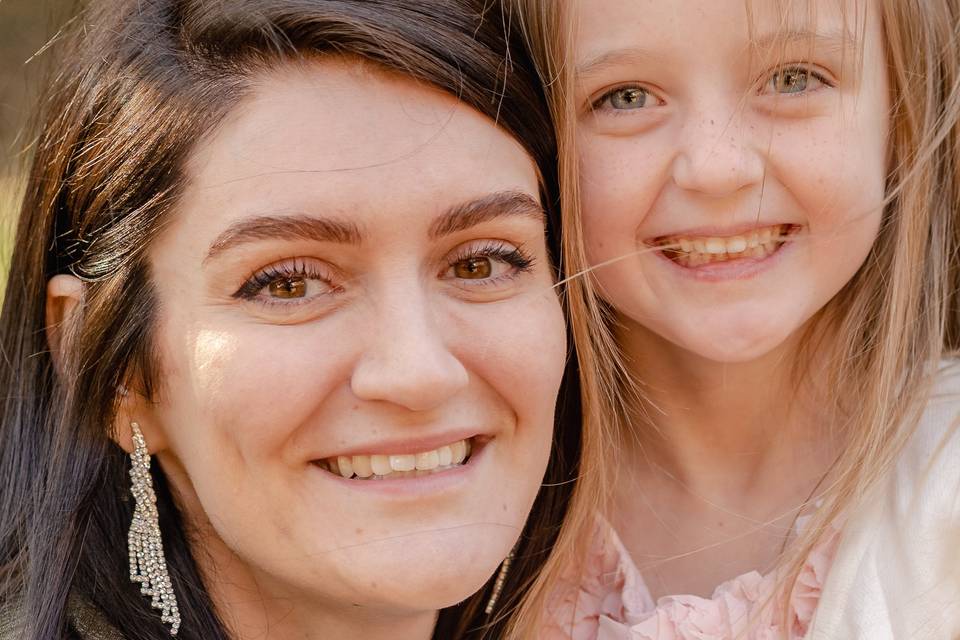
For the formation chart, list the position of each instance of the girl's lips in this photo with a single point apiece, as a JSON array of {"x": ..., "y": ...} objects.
[{"x": 716, "y": 258}]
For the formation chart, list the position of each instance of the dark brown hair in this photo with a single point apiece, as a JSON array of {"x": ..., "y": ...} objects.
[{"x": 140, "y": 82}]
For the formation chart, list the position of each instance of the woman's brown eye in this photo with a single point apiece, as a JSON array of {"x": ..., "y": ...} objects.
[
  {"x": 289, "y": 288},
  {"x": 473, "y": 268}
]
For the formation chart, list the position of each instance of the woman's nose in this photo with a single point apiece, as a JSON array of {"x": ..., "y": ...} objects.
[
  {"x": 716, "y": 156},
  {"x": 407, "y": 360}
]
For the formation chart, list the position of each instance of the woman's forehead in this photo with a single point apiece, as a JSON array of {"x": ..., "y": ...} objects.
[{"x": 342, "y": 142}]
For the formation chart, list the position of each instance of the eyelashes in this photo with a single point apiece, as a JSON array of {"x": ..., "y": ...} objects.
[
  {"x": 290, "y": 279},
  {"x": 476, "y": 263},
  {"x": 629, "y": 97},
  {"x": 786, "y": 80},
  {"x": 486, "y": 264}
]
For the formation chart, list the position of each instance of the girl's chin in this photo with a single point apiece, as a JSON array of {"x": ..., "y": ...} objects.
[{"x": 721, "y": 348}]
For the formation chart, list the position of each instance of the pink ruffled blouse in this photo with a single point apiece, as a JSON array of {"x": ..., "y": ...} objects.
[{"x": 612, "y": 602}]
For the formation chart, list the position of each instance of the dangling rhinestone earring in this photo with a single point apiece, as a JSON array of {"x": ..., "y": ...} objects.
[
  {"x": 498, "y": 583},
  {"x": 147, "y": 564}
]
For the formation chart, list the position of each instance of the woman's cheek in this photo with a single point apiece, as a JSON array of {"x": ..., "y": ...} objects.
[{"x": 522, "y": 354}]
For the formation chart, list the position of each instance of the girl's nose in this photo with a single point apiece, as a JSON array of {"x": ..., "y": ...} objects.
[
  {"x": 716, "y": 156},
  {"x": 407, "y": 361}
]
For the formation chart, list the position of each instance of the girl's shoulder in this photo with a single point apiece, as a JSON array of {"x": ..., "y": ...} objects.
[
  {"x": 928, "y": 467},
  {"x": 896, "y": 573}
]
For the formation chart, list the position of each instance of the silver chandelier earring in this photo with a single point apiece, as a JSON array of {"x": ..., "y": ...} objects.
[
  {"x": 498, "y": 583},
  {"x": 147, "y": 564}
]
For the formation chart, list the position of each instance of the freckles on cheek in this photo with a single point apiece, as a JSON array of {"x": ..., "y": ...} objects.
[{"x": 620, "y": 182}]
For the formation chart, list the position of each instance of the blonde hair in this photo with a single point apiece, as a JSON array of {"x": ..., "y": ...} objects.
[{"x": 892, "y": 323}]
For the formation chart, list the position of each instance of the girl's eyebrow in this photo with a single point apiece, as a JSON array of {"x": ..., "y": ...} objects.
[
  {"x": 829, "y": 40},
  {"x": 458, "y": 217},
  {"x": 612, "y": 58}
]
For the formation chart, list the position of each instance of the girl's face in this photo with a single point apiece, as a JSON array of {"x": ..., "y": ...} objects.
[
  {"x": 749, "y": 147},
  {"x": 360, "y": 342}
]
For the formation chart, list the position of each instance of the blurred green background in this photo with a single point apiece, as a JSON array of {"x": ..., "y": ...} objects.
[{"x": 25, "y": 28}]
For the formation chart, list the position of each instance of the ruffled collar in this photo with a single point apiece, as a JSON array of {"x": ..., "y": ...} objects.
[{"x": 611, "y": 601}]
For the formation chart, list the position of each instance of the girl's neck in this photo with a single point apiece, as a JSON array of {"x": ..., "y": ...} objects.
[{"x": 719, "y": 426}]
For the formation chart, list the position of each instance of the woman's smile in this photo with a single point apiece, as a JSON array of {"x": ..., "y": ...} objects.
[
  {"x": 391, "y": 356},
  {"x": 378, "y": 466}
]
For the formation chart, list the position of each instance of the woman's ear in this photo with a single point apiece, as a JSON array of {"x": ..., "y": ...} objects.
[
  {"x": 64, "y": 299},
  {"x": 64, "y": 295},
  {"x": 135, "y": 408}
]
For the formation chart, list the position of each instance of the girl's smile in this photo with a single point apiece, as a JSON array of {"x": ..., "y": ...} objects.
[{"x": 729, "y": 255}]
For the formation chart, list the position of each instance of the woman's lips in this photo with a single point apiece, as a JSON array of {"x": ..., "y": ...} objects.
[
  {"x": 402, "y": 465},
  {"x": 694, "y": 251}
]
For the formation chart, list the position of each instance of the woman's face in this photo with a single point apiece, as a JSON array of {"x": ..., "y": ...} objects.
[
  {"x": 360, "y": 342},
  {"x": 732, "y": 164}
]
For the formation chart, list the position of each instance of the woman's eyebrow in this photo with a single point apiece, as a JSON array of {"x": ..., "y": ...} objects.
[
  {"x": 301, "y": 226},
  {"x": 485, "y": 208},
  {"x": 459, "y": 217}
]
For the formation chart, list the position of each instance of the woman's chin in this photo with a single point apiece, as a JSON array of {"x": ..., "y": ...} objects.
[{"x": 430, "y": 573}]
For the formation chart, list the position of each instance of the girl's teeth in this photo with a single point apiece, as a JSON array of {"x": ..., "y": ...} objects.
[
  {"x": 694, "y": 252},
  {"x": 716, "y": 245},
  {"x": 401, "y": 465},
  {"x": 736, "y": 244}
]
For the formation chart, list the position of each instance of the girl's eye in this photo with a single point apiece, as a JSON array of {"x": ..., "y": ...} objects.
[
  {"x": 299, "y": 279},
  {"x": 793, "y": 80},
  {"x": 626, "y": 99},
  {"x": 488, "y": 263}
]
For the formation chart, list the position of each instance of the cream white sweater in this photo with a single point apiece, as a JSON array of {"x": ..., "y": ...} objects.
[{"x": 896, "y": 574}]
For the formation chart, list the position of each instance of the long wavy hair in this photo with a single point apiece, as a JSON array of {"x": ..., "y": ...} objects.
[
  {"x": 890, "y": 326},
  {"x": 138, "y": 83}
]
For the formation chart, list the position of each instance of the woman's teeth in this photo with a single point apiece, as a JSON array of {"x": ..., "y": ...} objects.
[
  {"x": 376, "y": 467},
  {"x": 694, "y": 251}
]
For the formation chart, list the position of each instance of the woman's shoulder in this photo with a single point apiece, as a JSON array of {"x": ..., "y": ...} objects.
[
  {"x": 86, "y": 622},
  {"x": 11, "y": 618}
]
